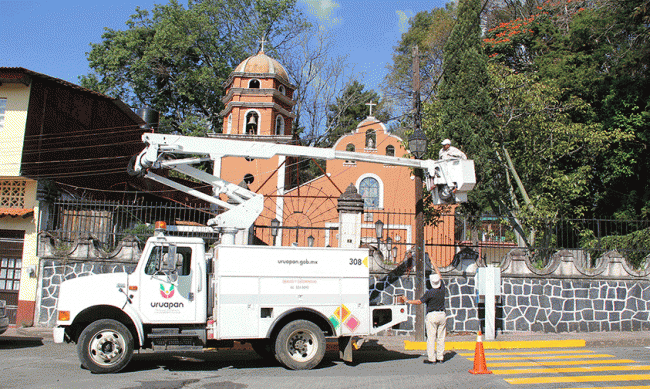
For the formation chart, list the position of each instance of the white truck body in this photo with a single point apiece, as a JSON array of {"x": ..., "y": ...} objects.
[
  {"x": 243, "y": 293},
  {"x": 283, "y": 300}
]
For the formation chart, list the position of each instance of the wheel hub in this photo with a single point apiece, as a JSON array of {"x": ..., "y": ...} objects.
[{"x": 106, "y": 347}]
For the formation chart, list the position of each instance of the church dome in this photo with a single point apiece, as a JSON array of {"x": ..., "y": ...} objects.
[{"x": 262, "y": 63}]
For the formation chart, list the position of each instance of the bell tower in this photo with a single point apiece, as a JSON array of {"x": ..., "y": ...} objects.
[
  {"x": 259, "y": 99},
  {"x": 258, "y": 104}
]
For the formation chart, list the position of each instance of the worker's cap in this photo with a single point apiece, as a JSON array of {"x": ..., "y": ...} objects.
[
  {"x": 435, "y": 280},
  {"x": 446, "y": 142}
]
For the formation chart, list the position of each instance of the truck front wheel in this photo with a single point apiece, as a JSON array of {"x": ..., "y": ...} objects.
[
  {"x": 300, "y": 345},
  {"x": 105, "y": 346}
]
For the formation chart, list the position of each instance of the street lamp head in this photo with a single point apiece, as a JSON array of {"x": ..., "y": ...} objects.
[
  {"x": 275, "y": 223},
  {"x": 418, "y": 143},
  {"x": 379, "y": 229}
]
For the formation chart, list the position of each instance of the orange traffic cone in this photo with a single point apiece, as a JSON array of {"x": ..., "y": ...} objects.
[{"x": 479, "y": 357}]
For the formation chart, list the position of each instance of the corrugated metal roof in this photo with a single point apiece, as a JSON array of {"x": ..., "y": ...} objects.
[{"x": 119, "y": 103}]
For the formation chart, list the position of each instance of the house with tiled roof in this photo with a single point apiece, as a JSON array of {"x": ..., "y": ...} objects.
[{"x": 51, "y": 131}]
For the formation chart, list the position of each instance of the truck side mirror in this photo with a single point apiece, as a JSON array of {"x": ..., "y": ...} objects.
[{"x": 167, "y": 261}]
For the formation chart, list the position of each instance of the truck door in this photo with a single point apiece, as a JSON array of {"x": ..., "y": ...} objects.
[{"x": 169, "y": 295}]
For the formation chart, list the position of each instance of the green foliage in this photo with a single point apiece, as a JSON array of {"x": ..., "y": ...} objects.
[
  {"x": 464, "y": 100},
  {"x": 593, "y": 55},
  {"x": 349, "y": 110},
  {"x": 141, "y": 231},
  {"x": 429, "y": 31},
  {"x": 176, "y": 59},
  {"x": 634, "y": 246}
]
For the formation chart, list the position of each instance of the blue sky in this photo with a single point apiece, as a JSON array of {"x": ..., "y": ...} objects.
[{"x": 52, "y": 37}]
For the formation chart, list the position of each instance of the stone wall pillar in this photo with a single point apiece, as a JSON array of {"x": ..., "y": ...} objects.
[{"x": 350, "y": 207}]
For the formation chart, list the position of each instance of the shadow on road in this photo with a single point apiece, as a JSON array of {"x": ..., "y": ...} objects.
[
  {"x": 14, "y": 342},
  {"x": 244, "y": 359}
]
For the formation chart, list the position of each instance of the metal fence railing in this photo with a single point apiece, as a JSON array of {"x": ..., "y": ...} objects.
[
  {"x": 491, "y": 236},
  {"x": 109, "y": 221}
]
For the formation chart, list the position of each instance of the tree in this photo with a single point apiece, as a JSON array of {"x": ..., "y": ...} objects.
[
  {"x": 348, "y": 110},
  {"x": 595, "y": 52},
  {"x": 429, "y": 31},
  {"x": 463, "y": 107},
  {"x": 319, "y": 79},
  {"x": 175, "y": 60}
]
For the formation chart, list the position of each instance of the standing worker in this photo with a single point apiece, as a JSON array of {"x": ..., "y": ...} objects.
[
  {"x": 436, "y": 319},
  {"x": 450, "y": 152}
]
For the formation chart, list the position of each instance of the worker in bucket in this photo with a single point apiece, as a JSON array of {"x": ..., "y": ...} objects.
[
  {"x": 436, "y": 319},
  {"x": 450, "y": 152}
]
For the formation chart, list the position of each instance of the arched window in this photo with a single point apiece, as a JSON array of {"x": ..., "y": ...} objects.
[
  {"x": 390, "y": 150},
  {"x": 282, "y": 90},
  {"x": 229, "y": 129},
  {"x": 350, "y": 147},
  {"x": 371, "y": 139},
  {"x": 252, "y": 123},
  {"x": 254, "y": 84},
  {"x": 369, "y": 190},
  {"x": 279, "y": 125}
]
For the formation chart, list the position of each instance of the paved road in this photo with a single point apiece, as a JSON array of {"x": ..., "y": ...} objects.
[{"x": 34, "y": 362}]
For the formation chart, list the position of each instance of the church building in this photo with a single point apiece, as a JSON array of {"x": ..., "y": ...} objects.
[{"x": 258, "y": 106}]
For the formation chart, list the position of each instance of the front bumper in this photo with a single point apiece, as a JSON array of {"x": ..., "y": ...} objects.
[{"x": 58, "y": 334}]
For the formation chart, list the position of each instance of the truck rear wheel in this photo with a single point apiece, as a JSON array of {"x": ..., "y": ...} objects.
[
  {"x": 105, "y": 346},
  {"x": 300, "y": 345}
]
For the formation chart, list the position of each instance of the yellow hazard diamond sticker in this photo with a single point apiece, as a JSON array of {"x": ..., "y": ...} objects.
[{"x": 342, "y": 313}]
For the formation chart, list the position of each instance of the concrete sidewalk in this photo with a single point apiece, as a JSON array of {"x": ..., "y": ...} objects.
[
  {"x": 467, "y": 341},
  {"x": 457, "y": 341}
]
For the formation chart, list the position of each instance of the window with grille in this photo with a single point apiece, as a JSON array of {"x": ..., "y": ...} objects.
[
  {"x": 11, "y": 253},
  {"x": 12, "y": 193},
  {"x": 10, "y": 274}
]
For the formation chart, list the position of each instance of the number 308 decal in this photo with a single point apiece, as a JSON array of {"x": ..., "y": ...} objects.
[{"x": 356, "y": 261}]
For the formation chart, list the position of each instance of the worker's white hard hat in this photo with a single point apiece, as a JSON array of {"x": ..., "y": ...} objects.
[
  {"x": 435, "y": 280},
  {"x": 446, "y": 142}
]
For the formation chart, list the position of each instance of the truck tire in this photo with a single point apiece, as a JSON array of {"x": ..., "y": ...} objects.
[
  {"x": 105, "y": 346},
  {"x": 300, "y": 345}
]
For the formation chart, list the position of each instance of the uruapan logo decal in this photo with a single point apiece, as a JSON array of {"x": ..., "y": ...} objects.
[{"x": 167, "y": 293}]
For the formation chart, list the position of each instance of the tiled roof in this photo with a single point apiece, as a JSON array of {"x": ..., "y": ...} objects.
[{"x": 16, "y": 211}]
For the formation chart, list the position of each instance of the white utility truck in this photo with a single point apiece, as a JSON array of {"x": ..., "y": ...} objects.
[{"x": 284, "y": 301}]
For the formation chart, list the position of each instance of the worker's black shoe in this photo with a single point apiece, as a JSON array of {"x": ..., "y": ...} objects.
[{"x": 428, "y": 362}]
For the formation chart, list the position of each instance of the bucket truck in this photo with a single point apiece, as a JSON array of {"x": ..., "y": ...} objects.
[{"x": 284, "y": 301}]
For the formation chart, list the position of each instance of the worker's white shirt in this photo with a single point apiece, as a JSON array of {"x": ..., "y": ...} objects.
[{"x": 451, "y": 153}]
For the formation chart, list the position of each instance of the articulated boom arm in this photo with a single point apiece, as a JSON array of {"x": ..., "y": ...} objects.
[{"x": 449, "y": 180}]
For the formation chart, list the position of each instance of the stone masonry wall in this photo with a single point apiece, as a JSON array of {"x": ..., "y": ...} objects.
[
  {"x": 54, "y": 272},
  {"x": 533, "y": 304},
  {"x": 566, "y": 295}
]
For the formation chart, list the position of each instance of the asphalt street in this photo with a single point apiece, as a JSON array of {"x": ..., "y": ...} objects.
[{"x": 31, "y": 360}]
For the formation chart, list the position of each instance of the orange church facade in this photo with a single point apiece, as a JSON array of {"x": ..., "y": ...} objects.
[{"x": 258, "y": 106}]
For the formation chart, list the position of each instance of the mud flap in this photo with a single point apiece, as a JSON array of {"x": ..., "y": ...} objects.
[{"x": 345, "y": 348}]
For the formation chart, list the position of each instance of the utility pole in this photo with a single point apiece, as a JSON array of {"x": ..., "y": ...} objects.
[{"x": 419, "y": 206}]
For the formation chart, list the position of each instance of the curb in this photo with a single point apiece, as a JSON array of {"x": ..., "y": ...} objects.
[{"x": 501, "y": 345}]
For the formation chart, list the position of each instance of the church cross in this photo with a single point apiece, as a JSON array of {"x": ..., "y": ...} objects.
[
  {"x": 262, "y": 41},
  {"x": 370, "y": 104}
]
